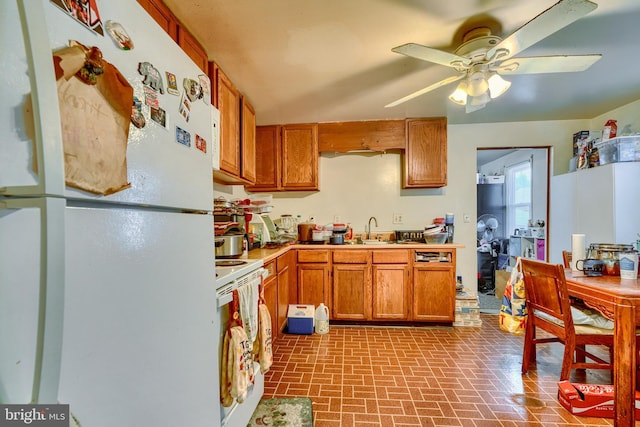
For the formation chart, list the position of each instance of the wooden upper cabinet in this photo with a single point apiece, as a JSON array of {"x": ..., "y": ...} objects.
[
  {"x": 300, "y": 157},
  {"x": 425, "y": 158},
  {"x": 248, "y": 144},
  {"x": 375, "y": 135},
  {"x": 229, "y": 106},
  {"x": 192, "y": 48},
  {"x": 267, "y": 159},
  {"x": 162, "y": 15}
]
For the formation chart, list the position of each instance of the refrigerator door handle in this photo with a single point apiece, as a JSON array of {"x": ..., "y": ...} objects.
[{"x": 51, "y": 294}]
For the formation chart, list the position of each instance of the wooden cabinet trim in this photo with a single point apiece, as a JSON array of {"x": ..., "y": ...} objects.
[
  {"x": 351, "y": 257},
  {"x": 376, "y": 135},
  {"x": 391, "y": 256},
  {"x": 315, "y": 256}
]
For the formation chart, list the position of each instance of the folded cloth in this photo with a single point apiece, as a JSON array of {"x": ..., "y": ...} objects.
[
  {"x": 248, "y": 301},
  {"x": 237, "y": 367},
  {"x": 265, "y": 338}
]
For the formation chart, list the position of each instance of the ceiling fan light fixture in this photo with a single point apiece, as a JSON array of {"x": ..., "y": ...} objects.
[
  {"x": 459, "y": 96},
  {"x": 481, "y": 99},
  {"x": 497, "y": 85},
  {"x": 477, "y": 83}
]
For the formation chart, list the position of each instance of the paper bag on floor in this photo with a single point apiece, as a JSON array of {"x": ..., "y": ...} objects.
[{"x": 95, "y": 115}]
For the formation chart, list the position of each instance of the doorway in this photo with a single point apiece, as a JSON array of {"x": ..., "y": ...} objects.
[{"x": 512, "y": 193}]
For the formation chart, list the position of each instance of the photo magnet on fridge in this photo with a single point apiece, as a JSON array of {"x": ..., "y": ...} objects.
[
  {"x": 201, "y": 143},
  {"x": 206, "y": 88},
  {"x": 183, "y": 137},
  {"x": 159, "y": 116},
  {"x": 185, "y": 107},
  {"x": 137, "y": 117},
  {"x": 172, "y": 84}
]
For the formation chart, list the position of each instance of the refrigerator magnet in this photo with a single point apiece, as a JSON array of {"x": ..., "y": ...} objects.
[
  {"x": 151, "y": 97},
  {"x": 172, "y": 84},
  {"x": 137, "y": 117},
  {"x": 206, "y": 89},
  {"x": 185, "y": 107},
  {"x": 192, "y": 88},
  {"x": 152, "y": 77},
  {"x": 201, "y": 144},
  {"x": 183, "y": 136},
  {"x": 119, "y": 35},
  {"x": 159, "y": 116},
  {"x": 84, "y": 11}
]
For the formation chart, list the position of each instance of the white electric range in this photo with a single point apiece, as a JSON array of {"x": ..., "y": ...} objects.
[{"x": 230, "y": 269}]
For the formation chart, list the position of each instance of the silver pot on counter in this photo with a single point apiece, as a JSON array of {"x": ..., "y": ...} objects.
[{"x": 229, "y": 245}]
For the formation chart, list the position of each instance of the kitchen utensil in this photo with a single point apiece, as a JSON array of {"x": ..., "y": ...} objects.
[
  {"x": 305, "y": 232},
  {"x": 229, "y": 245},
  {"x": 435, "y": 238},
  {"x": 337, "y": 239}
]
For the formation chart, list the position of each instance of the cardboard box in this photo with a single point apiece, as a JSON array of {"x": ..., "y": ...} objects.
[
  {"x": 589, "y": 400},
  {"x": 300, "y": 319}
]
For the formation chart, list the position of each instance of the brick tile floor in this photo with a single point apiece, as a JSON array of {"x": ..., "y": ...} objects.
[{"x": 423, "y": 376}]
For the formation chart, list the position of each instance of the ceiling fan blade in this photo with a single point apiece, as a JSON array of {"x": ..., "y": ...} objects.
[
  {"x": 430, "y": 54},
  {"x": 425, "y": 90},
  {"x": 547, "y": 64},
  {"x": 548, "y": 22}
]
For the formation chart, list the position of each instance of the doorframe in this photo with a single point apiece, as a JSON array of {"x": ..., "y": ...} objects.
[{"x": 549, "y": 151}]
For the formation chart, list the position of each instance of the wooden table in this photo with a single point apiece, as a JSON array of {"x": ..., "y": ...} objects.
[{"x": 618, "y": 299}]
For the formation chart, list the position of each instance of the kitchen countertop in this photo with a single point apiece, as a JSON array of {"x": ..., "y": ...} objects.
[{"x": 269, "y": 254}]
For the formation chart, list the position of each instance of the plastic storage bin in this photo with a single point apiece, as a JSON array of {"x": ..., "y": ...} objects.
[{"x": 620, "y": 149}]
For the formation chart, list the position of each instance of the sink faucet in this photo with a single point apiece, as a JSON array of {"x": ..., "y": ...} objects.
[{"x": 369, "y": 232}]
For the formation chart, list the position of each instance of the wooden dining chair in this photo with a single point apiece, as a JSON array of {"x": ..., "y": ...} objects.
[
  {"x": 566, "y": 259},
  {"x": 548, "y": 308}
]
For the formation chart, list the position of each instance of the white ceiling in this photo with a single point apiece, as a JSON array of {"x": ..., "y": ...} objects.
[{"x": 318, "y": 61}]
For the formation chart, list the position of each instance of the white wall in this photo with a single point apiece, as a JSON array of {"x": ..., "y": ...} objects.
[{"x": 355, "y": 187}]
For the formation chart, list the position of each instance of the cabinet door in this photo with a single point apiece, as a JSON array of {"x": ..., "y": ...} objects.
[
  {"x": 270, "y": 291},
  {"x": 391, "y": 292},
  {"x": 313, "y": 284},
  {"x": 248, "y": 141},
  {"x": 425, "y": 159},
  {"x": 300, "y": 157},
  {"x": 267, "y": 159},
  {"x": 162, "y": 15},
  {"x": 434, "y": 294},
  {"x": 229, "y": 106},
  {"x": 283, "y": 296},
  {"x": 192, "y": 48},
  {"x": 351, "y": 292}
]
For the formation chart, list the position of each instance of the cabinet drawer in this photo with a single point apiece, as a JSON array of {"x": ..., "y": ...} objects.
[
  {"x": 271, "y": 268},
  {"x": 350, "y": 257},
  {"x": 316, "y": 255},
  {"x": 390, "y": 256},
  {"x": 284, "y": 261}
]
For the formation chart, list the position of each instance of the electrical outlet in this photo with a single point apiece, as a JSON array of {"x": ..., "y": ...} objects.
[
  {"x": 397, "y": 218},
  {"x": 336, "y": 219}
]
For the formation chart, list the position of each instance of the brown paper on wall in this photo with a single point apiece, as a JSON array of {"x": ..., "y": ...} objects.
[{"x": 95, "y": 124}]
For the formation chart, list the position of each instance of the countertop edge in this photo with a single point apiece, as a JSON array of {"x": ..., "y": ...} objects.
[{"x": 267, "y": 255}]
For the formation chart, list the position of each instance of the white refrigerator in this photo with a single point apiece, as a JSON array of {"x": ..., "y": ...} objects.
[{"x": 107, "y": 302}]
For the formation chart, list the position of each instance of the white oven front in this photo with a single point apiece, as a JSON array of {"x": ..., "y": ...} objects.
[{"x": 238, "y": 414}]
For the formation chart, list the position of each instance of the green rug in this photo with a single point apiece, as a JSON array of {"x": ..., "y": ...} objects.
[{"x": 293, "y": 412}]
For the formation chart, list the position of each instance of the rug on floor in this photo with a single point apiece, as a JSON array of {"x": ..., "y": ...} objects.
[{"x": 281, "y": 412}]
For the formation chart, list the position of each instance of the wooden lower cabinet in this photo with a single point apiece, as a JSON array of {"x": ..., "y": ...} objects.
[
  {"x": 351, "y": 292},
  {"x": 434, "y": 293},
  {"x": 284, "y": 269},
  {"x": 391, "y": 292},
  {"x": 270, "y": 290},
  {"x": 313, "y": 276}
]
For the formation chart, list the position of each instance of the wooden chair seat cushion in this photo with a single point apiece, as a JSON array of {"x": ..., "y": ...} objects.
[{"x": 579, "y": 328}]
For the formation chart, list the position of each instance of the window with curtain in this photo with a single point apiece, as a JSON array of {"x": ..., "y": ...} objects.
[{"x": 518, "y": 197}]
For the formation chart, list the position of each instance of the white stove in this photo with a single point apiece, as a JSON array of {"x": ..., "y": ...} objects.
[{"x": 228, "y": 270}]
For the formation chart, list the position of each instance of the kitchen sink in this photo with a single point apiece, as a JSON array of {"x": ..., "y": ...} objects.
[{"x": 375, "y": 242}]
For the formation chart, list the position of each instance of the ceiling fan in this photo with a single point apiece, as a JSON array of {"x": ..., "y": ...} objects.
[{"x": 484, "y": 57}]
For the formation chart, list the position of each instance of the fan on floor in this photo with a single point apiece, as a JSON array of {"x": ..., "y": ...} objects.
[
  {"x": 484, "y": 57},
  {"x": 486, "y": 227}
]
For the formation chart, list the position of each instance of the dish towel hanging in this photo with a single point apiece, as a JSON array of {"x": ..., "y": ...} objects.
[
  {"x": 265, "y": 337},
  {"x": 237, "y": 366},
  {"x": 248, "y": 300}
]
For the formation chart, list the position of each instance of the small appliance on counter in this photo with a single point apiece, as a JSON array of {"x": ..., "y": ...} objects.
[
  {"x": 339, "y": 231},
  {"x": 229, "y": 228}
]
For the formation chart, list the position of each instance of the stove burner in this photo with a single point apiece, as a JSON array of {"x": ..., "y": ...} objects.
[{"x": 229, "y": 262}]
